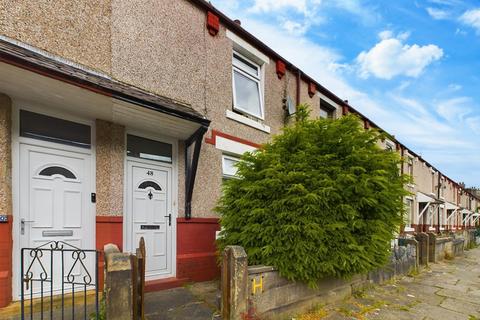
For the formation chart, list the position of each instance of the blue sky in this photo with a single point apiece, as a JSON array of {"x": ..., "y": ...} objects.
[{"x": 410, "y": 66}]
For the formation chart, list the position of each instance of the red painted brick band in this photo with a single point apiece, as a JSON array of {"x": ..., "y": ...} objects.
[
  {"x": 196, "y": 249},
  {"x": 6, "y": 247},
  {"x": 215, "y": 133}
]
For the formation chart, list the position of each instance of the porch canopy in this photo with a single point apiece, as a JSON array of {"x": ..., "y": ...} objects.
[
  {"x": 467, "y": 213},
  {"x": 431, "y": 202},
  {"x": 30, "y": 75},
  {"x": 451, "y": 206},
  {"x": 476, "y": 217}
]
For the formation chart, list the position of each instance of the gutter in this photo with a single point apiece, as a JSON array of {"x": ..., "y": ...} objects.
[
  {"x": 27, "y": 59},
  {"x": 235, "y": 27}
]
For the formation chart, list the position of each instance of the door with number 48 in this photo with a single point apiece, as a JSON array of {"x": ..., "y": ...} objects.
[{"x": 149, "y": 202}]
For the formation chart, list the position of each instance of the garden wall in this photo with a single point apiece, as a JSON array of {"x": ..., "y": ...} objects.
[{"x": 259, "y": 292}]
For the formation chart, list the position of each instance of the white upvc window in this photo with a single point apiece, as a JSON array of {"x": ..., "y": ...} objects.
[
  {"x": 409, "y": 210},
  {"x": 410, "y": 166},
  {"x": 247, "y": 86},
  {"x": 389, "y": 145},
  {"x": 229, "y": 169}
]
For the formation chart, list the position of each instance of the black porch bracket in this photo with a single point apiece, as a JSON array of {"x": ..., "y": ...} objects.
[{"x": 191, "y": 165}]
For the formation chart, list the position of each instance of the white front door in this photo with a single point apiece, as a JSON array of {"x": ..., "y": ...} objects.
[
  {"x": 54, "y": 204},
  {"x": 149, "y": 202}
]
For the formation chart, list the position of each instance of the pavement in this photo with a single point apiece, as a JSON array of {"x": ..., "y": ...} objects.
[
  {"x": 196, "y": 301},
  {"x": 447, "y": 290}
]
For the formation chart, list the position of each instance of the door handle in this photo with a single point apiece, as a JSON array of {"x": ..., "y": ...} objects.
[
  {"x": 22, "y": 225},
  {"x": 169, "y": 219}
]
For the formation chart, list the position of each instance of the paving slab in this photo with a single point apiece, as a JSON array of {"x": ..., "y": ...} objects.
[
  {"x": 192, "y": 302},
  {"x": 448, "y": 290}
]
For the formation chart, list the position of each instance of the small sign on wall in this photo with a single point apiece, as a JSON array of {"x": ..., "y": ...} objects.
[
  {"x": 3, "y": 218},
  {"x": 257, "y": 285}
]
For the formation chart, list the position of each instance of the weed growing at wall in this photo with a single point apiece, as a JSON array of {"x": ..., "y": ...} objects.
[{"x": 322, "y": 199}]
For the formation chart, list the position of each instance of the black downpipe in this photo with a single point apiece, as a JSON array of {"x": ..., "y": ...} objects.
[
  {"x": 191, "y": 167},
  {"x": 299, "y": 79},
  {"x": 438, "y": 207}
]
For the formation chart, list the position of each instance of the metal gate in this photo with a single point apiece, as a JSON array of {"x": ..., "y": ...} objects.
[{"x": 59, "y": 281}]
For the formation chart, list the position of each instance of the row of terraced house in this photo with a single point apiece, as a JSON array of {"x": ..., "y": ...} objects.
[{"x": 120, "y": 120}]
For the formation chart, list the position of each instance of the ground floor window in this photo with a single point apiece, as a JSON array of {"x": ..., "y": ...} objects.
[
  {"x": 409, "y": 212},
  {"x": 229, "y": 169}
]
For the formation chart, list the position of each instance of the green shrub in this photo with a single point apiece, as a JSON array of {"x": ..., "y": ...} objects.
[{"x": 322, "y": 199}]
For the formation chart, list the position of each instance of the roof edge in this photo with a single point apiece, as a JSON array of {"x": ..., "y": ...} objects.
[{"x": 235, "y": 27}]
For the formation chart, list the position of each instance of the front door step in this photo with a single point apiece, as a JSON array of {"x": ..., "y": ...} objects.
[{"x": 163, "y": 284}]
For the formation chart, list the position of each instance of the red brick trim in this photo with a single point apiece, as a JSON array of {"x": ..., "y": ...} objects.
[
  {"x": 215, "y": 133},
  {"x": 109, "y": 219},
  {"x": 196, "y": 249},
  {"x": 6, "y": 249},
  {"x": 109, "y": 229},
  {"x": 199, "y": 220}
]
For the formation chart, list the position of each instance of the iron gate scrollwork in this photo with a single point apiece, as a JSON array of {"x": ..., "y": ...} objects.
[{"x": 53, "y": 276}]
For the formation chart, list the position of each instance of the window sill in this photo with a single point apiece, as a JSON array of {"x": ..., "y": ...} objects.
[
  {"x": 408, "y": 229},
  {"x": 247, "y": 121}
]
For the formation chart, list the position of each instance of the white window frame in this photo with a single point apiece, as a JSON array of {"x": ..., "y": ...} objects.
[
  {"x": 389, "y": 145},
  {"x": 411, "y": 212},
  {"x": 226, "y": 175},
  {"x": 410, "y": 164},
  {"x": 257, "y": 78}
]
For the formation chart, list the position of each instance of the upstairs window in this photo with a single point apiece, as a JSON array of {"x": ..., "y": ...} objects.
[
  {"x": 327, "y": 111},
  {"x": 389, "y": 145},
  {"x": 247, "y": 86},
  {"x": 410, "y": 166},
  {"x": 442, "y": 187},
  {"x": 433, "y": 182},
  {"x": 409, "y": 212}
]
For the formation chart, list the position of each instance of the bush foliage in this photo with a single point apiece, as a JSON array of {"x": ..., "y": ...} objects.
[{"x": 322, "y": 199}]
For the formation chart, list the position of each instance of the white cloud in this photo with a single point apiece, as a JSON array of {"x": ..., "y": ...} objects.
[
  {"x": 438, "y": 14},
  {"x": 390, "y": 58},
  {"x": 294, "y": 27},
  {"x": 385, "y": 34},
  {"x": 276, "y": 5},
  {"x": 460, "y": 32},
  {"x": 454, "y": 87},
  {"x": 474, "y": 124},
  {"x": 367, "y": 14},
  {"x": 455, "y": 110},
  {"x": 472, "y": 18}
]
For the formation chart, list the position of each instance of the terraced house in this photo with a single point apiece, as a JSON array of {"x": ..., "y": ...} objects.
[{"x": 120, "y": 120}]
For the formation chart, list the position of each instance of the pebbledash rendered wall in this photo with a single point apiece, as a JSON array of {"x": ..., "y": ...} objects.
[
  {"x": 5, "y": 200},
  {"x": 143, "y": 43}
]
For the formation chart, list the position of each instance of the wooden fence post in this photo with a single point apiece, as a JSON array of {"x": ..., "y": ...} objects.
[{"x": 138, "y": 276}]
